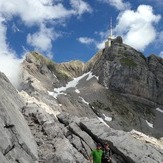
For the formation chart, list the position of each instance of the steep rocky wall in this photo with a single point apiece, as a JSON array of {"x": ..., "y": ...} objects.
[
  {"x": 17, "y": 144},
  {"x": 125, "y": 70}
]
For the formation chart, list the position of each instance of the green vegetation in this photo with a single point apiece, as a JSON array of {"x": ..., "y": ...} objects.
[
  {"x": 63, "y": 75},
  {"x": 128, "y": 62},
  {"x": 50, "y": 65},
  {"x": 53, "y": 67}
]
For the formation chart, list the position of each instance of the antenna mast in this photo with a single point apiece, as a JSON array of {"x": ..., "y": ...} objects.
[{"x": 111, "y": 31}]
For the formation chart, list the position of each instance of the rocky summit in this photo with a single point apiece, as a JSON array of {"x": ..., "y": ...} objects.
[{"x": 61, "y": 111}]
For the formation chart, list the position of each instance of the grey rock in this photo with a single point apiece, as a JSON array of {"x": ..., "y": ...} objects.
[
  {"x": 122, "y": 143},
  {"x": 16, "y": 139}
]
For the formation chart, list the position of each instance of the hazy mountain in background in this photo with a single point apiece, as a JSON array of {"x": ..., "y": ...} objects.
[{"x": 69, "y": 107}]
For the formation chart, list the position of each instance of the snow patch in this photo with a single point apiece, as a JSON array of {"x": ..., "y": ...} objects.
[
  {"x": 77, "y": 91},
  {"x": 71, "y": 84},
  {"x": 158, "y": 109},
  {"x": 149, "y": 124},
  {"x": 90, "y": 76},
  {"x": 84, "y": 101},
  {"x": 101, "y": 120},
  {"x": 109, "y": 119}
]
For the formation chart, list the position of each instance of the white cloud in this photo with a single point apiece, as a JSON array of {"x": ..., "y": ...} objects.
[
  {"x": 42, "y": 40},
  {"x": 9, "y": 64},
  {"x": 32, "y": 12},
  {"x": 118, "y": 4},
  {"x": 161, "y": 54},
  {"x": 11, "y": 67},
  {"x": 100, "y": 45},
  {"x": 86, "y": 40},
  {"x": 137, "y": 27},
  {"x": 80, "y": 7}
]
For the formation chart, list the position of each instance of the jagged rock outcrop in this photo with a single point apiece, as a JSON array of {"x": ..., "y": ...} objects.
[
  {"x": 125, "y": 70},
  {"x": 123, "y": 144},
  {"x": 134, "y": 83},
  {"x": 17, "y": 144}
]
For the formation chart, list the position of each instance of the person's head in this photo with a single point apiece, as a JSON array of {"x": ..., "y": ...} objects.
[
  {"x": 106, "y": 145},
  {"x": 98, "y": 146}
]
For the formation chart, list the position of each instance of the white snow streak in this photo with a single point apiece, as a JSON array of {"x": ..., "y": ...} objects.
[
  {"x": 71, "y": 84},
  {"x": 109, "y": 119},
  {"x": 149, "y": 124},
  {"x": 77, "y": 91},
  {"x": 101, "y": 120},
  {"x": 158, "y": 109},
  {"x": 84, "y": 101},
  {"x": 90, "y": 76}
]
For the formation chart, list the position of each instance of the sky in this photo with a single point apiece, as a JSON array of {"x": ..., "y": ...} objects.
[{"x": 65, "y": 30}]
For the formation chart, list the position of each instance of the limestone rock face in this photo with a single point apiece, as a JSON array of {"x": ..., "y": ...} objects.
[
  {"x": 130, "y": 148},
  {"x": 126, "y": 70},
  {"x": 135, "y": 85},
  {"x": 17, "y": 144}
]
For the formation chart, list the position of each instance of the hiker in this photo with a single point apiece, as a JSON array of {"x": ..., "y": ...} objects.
[
  {"x": 106, "y": 156},
  {"x": 96, "y": 155}
]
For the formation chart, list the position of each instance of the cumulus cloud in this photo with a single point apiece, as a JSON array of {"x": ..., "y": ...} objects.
[
  {"x": 134, "y": 25},
  {"x": 100, "y": 45},
  {"x": 32, "y": 12},
  {"x": 80, "y": 7},
  {"x": 161, "y": 54},
  {"x": 138, "y": 28},
  {"x": 86, "y": 40},
  {"x": 118, "y": 4},
  {"x": 9, "y": 63},
  {"x": 42, "y": 40}
]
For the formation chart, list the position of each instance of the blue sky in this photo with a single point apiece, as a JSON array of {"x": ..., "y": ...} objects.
[{"x": 67, "y": 30}]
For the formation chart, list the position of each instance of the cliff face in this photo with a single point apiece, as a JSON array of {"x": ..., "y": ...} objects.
[
  {"x": 125, "y": 70},
  {"x": 17, "y": 144},
  {"x": 135, "y": 84}
]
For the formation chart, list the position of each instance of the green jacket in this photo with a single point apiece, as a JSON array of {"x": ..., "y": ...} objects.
[{"x": 97, "y": 155}]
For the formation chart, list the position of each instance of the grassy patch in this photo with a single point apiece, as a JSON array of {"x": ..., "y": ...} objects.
[{"x": 128, "y": 62}]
